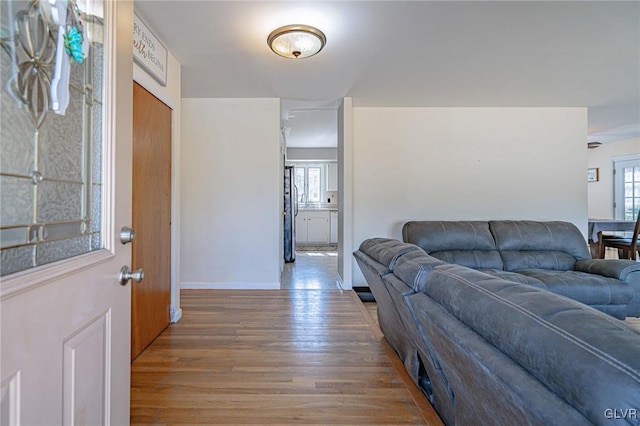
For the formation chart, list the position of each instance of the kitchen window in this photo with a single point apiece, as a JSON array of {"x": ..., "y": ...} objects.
[{"x": 310, "y": 181}]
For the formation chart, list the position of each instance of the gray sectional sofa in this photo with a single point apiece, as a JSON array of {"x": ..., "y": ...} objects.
[
  {"x": 549, "y": 255},
  {"x": 489, "y": 347}
]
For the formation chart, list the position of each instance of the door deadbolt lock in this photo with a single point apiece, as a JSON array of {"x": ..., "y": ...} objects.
[
  {"x": 127, "y": 274},
  {"x": 127, "y": 235}
]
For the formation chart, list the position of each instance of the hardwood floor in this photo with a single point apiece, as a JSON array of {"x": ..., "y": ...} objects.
[
  {"x": 274, "y": 357},
  {"x": 312, "y": 270}
]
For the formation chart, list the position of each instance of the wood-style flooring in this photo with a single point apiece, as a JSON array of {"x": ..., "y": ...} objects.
[
  {"x": 311, "y": 354},
  {"x": 312, "y": 270},
  {"x": 274, "y": 357}
]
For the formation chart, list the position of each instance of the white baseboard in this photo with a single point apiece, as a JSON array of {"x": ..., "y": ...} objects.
[
  {"x": 342, "y": 284},
  {"x": 229, "y": 286},
  {"x": 176, "y": 314}
]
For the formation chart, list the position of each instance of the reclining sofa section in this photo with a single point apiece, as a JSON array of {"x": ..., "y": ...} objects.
[
  {"x": 486, "y": 350},
  {"x": 513, "y": 354},
  {"x": 549, "y": 255}
]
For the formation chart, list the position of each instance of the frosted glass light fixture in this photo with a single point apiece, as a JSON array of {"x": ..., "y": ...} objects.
[{"x": 296, "y": 41}]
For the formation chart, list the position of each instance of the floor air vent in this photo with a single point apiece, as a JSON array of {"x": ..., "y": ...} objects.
[{"x": 364, "y": 293}]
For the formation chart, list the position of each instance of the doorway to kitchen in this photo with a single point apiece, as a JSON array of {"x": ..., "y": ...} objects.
[{"x": 310, "y": 139}]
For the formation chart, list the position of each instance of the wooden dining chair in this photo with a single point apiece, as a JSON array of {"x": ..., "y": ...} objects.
[{"x": 627, "y": 246}]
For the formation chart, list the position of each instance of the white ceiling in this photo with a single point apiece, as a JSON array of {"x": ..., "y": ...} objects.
[
  {"x": 415, "y": 53},
  {"x": 310, "y": 124}
]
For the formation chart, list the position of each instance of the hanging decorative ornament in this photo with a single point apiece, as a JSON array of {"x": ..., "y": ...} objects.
[
  {"x": 73, "y": 44},
  {"x": 61, "y": 70}
]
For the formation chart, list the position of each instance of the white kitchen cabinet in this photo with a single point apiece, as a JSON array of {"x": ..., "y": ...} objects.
[
  {"x": 301, "y": 228},
  {"x": 312, "y": 227},
  {"x": 318, "y": 230},
  {"x": 333, "y": 224}
]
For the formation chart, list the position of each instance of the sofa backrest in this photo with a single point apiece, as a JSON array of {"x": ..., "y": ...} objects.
[
  {"x": 510, "y": 245},
  {"x": 587, "y": 358},
  {"x": 386, "y": 250},
  {"x": 527, "y": 244},
  {"x": 414, "y": 268},
  {"x": 466, "y": 243}
]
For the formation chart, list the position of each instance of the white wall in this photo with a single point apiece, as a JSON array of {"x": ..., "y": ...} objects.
[
  {"x": 316, "y": 154},
  {"x": 466, "y": 163},
  {"x": 600, "y": 194},
  {"x": 170, "y": 95},
  {"x": 230, "y": 183}
]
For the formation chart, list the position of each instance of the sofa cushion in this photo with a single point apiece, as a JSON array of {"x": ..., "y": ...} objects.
[
  {"x": 413, "y": 268},
  {"x": 588, "y": 358},
  {"x": 536, "y": 259},
  {"x": 583, "y": 287},
  {"x": 467, "y": 243},
  {"x": 386, "y": 250},
  {"x": 515, "y": 277},
  {"x": 533, "y": 244},
  {"x": 476, "y": 259}
]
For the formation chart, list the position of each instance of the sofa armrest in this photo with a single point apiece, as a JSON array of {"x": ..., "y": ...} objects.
[{"x": 613, "y": 268}]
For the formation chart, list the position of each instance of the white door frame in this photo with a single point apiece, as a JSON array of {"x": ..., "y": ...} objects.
[
  {"x": 618, "y": 198},
  {"x": 170, "y": 96},
  {"x": 345, "y": 193}
]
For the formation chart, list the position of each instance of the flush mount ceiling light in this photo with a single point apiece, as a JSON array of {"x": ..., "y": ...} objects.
[{"x": 296, "y": 41}]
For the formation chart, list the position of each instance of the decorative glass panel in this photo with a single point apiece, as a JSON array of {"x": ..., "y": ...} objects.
[
  {"x": 10, "y": 237},
  {"x": 51, "y": 251},
  {"x": 17, "y": 259},
  {"x": 51, "y": 70},
  {"x": 16, "y": 200}
]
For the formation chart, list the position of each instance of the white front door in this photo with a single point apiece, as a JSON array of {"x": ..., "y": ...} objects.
[{"x": 66, "y": 325}]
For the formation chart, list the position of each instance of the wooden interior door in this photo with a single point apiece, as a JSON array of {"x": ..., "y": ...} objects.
[{"x": 151, "y": 299}]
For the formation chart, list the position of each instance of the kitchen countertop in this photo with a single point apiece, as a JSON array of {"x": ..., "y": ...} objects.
[{"x": 315, "y": 209}]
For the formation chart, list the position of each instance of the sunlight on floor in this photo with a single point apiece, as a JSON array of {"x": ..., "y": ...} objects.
[{"x": 317, "y": 270}]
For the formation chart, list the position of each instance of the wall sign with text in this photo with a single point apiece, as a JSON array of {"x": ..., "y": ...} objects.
[{"x": 148, "y": 52}]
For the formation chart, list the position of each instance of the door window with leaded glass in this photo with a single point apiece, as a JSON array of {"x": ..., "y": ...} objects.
[{"x": 51, "y": 132}]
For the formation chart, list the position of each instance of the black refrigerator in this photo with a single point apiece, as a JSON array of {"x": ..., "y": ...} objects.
[{"x": 289, "y": 214}]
